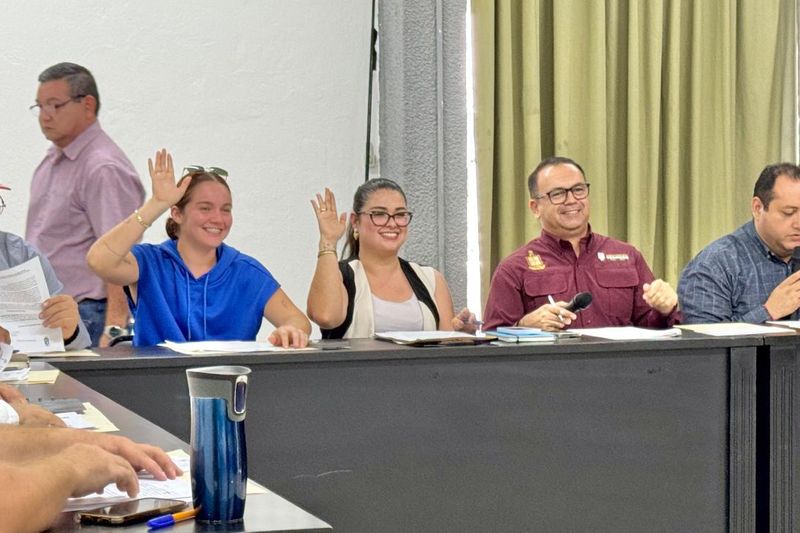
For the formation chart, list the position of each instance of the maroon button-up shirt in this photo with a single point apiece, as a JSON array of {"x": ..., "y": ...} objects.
[{"x": 612, "y": 271}]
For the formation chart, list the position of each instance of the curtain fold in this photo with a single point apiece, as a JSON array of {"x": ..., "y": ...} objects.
[{"x": 672, "y": 107}]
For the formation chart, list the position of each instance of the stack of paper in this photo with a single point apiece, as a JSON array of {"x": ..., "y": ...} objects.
[
  {"x": 224, "y": 347},
  {"x": 627, "y": 333},
  {"x": 728, "y": 329}
]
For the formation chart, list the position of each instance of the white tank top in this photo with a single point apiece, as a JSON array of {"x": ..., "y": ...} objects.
[{"x": 397, "y": 316}]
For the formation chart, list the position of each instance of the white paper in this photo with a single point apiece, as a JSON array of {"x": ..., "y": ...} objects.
[
  {"x": 22, "y": 291},
  {"x": 626, "y": 333},
  {"x": 727, "y": 329},
  {"x": 5, "y": 354},
  {"x": 794, "y": 324},
  {"x": 215, "y": 347},
  {"x": 75, "y": 420},
  {"x": 16, "y": 371},
  {"x": 69, "y": 353}
]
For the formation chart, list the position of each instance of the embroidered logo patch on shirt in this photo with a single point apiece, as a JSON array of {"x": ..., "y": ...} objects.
[
  {"x": 612, "y": 257},
  {"x": 534, "y": 261}
]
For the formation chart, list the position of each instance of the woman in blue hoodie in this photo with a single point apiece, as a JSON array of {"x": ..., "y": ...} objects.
[{"x": 193, "y": 287}]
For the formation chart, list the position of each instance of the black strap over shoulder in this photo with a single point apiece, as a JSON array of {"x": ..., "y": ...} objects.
[
  {"x": 420, "y": 291},
  {"x": 348, "y": 278}
]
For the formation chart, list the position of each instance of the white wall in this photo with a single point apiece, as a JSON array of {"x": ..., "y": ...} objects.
[{"x": 274, "y": 91}]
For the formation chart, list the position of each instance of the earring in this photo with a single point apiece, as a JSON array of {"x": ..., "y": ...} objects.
[{"x": 355, "y": 234}]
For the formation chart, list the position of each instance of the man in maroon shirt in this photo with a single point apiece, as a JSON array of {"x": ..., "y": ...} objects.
[{"x": 532, "y": 286}]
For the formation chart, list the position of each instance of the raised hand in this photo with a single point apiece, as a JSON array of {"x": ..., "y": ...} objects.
[
  {"x": 331, "y": 224},
  {"x": 162, "y": 176}
]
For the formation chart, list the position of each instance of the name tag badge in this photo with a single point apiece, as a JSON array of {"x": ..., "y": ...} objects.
[
  {"x": 612, "y": 257},
  {"x": 534, "y": 261}
]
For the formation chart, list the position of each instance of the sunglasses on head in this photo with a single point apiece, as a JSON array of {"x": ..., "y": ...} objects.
[{"x": 197, "y": 169}]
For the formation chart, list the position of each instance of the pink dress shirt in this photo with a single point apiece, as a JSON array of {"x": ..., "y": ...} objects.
[{"x": 78, "y": 194}]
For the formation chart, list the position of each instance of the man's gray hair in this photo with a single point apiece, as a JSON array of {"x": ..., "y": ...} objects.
[{"x": 81, "y": 82}]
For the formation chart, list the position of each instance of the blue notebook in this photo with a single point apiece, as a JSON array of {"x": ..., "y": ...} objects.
[{"x": 517, "y": 334}]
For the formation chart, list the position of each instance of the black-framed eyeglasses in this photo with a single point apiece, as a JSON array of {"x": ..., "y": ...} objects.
[
  {"x": 559, "y": 195},
  {"x": 51, "y": 108},
  {"x": 197, "y": 169},
  {"x": 2, "y": 205},
  {"x": 381, "y": 218}
]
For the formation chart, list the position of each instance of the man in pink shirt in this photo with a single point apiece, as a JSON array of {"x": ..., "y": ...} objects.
[
  {"x": 84, "y": 186},
  {"x": 532, "y": 286}
]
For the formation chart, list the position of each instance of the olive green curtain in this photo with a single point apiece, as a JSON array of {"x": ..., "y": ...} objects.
[{"x": 672, "y": 107}]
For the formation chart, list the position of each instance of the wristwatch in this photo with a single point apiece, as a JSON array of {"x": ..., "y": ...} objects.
[{"x": 112, "y": 331}]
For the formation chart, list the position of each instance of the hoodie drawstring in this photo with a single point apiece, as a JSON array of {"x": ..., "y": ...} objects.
[
  {"x": 188, "y": 308},
  {"x": 205, "y": 307}
]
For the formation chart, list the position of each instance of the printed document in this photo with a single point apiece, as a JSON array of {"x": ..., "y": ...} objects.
[{"x": 22, "y": 291}]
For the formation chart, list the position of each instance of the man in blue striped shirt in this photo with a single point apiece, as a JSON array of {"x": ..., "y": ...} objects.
[{"x": 746, "y": 276}]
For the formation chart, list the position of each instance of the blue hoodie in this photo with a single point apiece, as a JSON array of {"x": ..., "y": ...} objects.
[{"x": 226, "y": 303}]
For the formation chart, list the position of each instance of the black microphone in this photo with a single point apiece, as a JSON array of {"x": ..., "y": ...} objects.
[
  {"x": 582, "y": 300},
  {"x": 795, "y": 260}
]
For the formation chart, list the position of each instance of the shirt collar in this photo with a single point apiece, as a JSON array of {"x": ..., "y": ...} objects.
[
  {"x": 73, "y": 149},
  {"x": 750, "y": 230},
  {"x": 561, "y": 244}
]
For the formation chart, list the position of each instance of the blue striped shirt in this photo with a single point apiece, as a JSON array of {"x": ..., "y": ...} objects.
[{"x": 731, "y": 279}]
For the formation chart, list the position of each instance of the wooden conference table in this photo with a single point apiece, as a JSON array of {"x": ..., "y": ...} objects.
[
  {"x": 263, "y": 512},
  {"x": 581, "y": 435}
]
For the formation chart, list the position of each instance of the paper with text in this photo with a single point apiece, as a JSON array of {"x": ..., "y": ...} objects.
[{"x": 22, "y": 291}]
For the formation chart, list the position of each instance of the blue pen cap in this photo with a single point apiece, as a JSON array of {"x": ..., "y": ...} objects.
[{"x": 161, "y": 521}]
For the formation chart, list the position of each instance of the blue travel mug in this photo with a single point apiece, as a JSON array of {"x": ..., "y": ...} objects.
[{"x": 219, "y": 450}]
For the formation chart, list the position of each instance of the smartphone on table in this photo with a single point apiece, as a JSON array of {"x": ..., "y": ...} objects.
[{"x": 120, "y": 514}]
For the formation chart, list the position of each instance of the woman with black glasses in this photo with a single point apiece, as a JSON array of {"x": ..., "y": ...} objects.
[
  {"x": 193, "y": 287},
  {"x": 373, "y": 289}
]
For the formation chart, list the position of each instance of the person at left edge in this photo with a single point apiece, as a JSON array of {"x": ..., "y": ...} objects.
[
  {"x": 59, "y": 310},
  {"x": 84, "y": 186},
  {"x": 41, "y": 467},
  {"x": 193, "y": 287}
]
